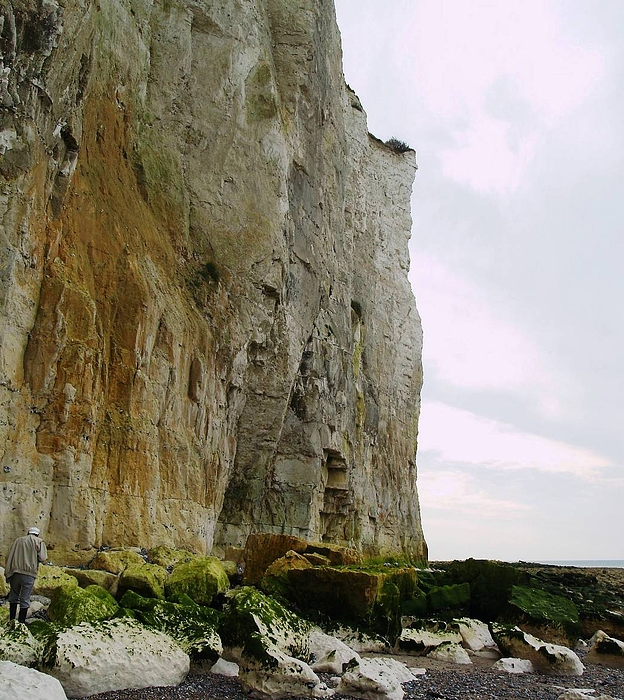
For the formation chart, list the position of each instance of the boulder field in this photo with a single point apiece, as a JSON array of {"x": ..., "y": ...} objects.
[{"x": 312, "y": 613}]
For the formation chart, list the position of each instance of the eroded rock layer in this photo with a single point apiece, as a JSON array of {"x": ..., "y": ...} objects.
[{"x": 206, "y": 324}]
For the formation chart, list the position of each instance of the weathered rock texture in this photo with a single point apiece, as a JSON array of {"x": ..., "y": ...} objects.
[{"x": 206, "y": 323}]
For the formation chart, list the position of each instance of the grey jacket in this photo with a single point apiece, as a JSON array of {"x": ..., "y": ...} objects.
[{"x": 24, "y": 556}]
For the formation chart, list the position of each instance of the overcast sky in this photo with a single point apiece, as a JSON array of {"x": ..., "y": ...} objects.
[{"x": 516, "y": 112}]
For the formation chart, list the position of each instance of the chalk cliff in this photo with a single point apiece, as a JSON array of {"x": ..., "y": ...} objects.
[{"x": 206, "y": 324}]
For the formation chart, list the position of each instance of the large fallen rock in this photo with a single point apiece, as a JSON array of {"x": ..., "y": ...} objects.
[
  {"x": 168, "y": 557},
  {"x": 72, "y": 605},
  {"x": 146, "y": 579},
  {"x": 17, "y": 682},
  {"x": 115, "y": 655},
  {"x": 507, "y": 665},
  {"x": 194, "y": 627},
  {"x": 377, "y": 678},
  {"x": 450, "y": 652},
  {"x": 50, "y": 578},
  {"x": 475, "y": 634},
  {"x": 18, "y": 645},
  {"x": 263, "y": 548},
  {"x": 423, "y": 640},
  {"x": 116, "y": 561},
  {"x": 606, "y": 651},
  {"x": 200, "y": 579},
  {"x": 274, "y": 645},
  {"x": 552, "y": 617},
  {"x": 93, "y": 577},
  {"x": 547, "y": 658},
  {"x": 371, "y": 596}
]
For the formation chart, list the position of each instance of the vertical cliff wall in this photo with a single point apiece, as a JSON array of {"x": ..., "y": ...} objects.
[{"x": 206, "y": 324}]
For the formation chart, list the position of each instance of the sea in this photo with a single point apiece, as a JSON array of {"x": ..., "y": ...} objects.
[{"x": 588, "y": 563}]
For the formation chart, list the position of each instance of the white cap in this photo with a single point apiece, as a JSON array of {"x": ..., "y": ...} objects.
[{"x": 33, "y": 531}]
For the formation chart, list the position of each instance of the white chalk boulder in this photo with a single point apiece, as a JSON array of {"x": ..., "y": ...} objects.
[
  {"x": 423, "y": 641},
  {"x": 584, "y": 694},
  {"x": 20, "y": 682},
  {"x": 329, "y": 654},
  {"x": 376, "y": 679},
  {"x": 475, "y": 634},
  {"x": 280, "y": 675},
  {"x": 606, "y": 650},
  {"x": 221, "y": 667},
  {"x": 450, "y": 652},
  {"x": 115, "y": 655},
  {"x": 514, "y": 666},
  {"x": 547, "y": 658}
]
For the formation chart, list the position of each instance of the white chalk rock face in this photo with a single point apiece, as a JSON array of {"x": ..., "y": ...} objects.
[
  {"x": 547, "y": 658},
  {"x": 20, "y": 682},
  {"x": 475, "y": 634},
  {"x": 376, "y": 679},
  {"x": 514, "y": 666},
  {"x": 450, "y": 652},
  {"x": 330, "y": 653},
  {"x": 116, "y": 655}
]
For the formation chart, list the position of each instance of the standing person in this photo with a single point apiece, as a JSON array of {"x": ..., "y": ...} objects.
[{"x": 21, "y": 569}]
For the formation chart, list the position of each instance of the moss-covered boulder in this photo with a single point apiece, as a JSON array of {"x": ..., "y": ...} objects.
[
  {"x": 545, "y": 611},
  {"x": 454, "y": 598},
  {"x": 275, "y": 580},
  {"x": 490, "y": 584},
  {"x": 364, "y": 597},
  {"x": 116, "y": 561},
  {"x": 50, "y": 578},
  {"x": 93, "y": 577},
  {"x": 17, "y": 644},
  {"x": 201, "y": 579},
  {"x": 257, "y": 623},
  {"x": 415, "y": 605},
  {"x": 146, "y": 579},
  {"x": 193, "y": 626},
  {"x": 168, "y": 557},
  {"x": 72, "y": 605}
]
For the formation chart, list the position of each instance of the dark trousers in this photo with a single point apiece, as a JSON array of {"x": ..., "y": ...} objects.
[{"x": 21, "y": 589}]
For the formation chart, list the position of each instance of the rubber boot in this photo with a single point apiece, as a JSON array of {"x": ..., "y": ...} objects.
[
  {"x": 13, "y": 611},
  {"x": 22, "y": 615}
]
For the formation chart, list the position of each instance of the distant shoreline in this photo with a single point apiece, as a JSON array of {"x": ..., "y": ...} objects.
[
  {"x": 578, "y": 563},
  {"x": 586, "y": 563}
]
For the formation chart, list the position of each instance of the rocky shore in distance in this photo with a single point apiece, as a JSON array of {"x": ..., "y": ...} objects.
[{"x": 315, "y": 620}]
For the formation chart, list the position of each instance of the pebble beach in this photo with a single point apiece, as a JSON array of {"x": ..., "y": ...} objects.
[{"x": 441, "y": 682}]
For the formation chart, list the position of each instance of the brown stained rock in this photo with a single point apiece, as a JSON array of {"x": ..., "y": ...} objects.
[
  {"x": 337, "y": 555},
  {"x": 263, "y": 548}
]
